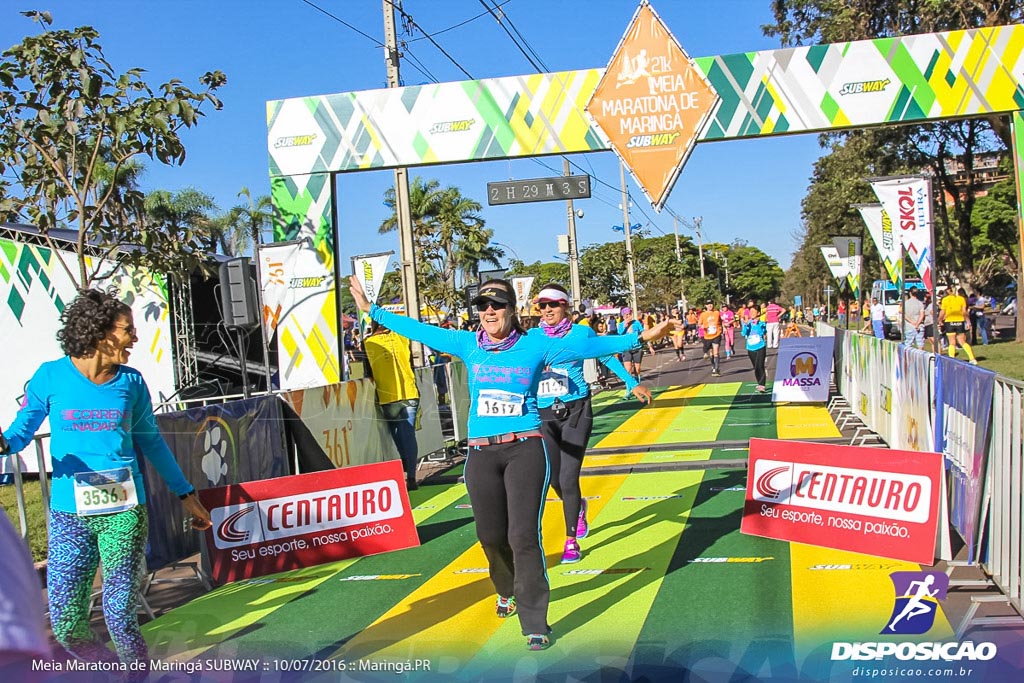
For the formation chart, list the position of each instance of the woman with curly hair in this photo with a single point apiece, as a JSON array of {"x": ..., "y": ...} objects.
[{"x": 100, "y": 412}]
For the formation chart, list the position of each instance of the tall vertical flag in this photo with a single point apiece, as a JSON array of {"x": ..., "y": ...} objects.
[
  {"x": 849, "y": 251},
  {"x": 836, "y": 264},
  {"x": 908, "y": 200},
  {"x": 369, "y": 270},
  {"x": 889, "y": 246},
  {"x": 522, "y": 286}
]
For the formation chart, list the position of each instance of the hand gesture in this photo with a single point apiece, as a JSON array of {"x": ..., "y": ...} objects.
[
  {"x": 354, "y": 286},
  {"x": 200, "y": 515},
  {"x": 643, "y": 394}
]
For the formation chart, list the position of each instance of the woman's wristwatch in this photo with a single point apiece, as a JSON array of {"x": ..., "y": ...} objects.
[
  {"x": 186, "y": 495},
  {"x": 5, "y": 447}
]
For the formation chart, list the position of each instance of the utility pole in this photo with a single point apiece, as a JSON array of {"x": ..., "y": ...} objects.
[
  {"x": 629, "y": 241},
  {"x": 679, "y": 259},
  {"x": 574, "y": 254},
  {"x": 406, "y": 247},
  {"x": 697, "y": 220}
]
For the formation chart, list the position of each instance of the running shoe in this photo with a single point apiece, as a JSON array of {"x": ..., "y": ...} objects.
[
  {"x": 506, "y": 607},
  {"x": 716, "y": 373},
  {"x": 537, "y": 641},
  {"x": 761, "y": 389},
  {"x": 571, "y": 554},
  {"x": 582, "y": 528},
  {"x": 973, "y": 362}
]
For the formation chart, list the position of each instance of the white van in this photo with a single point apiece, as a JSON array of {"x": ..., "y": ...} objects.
[{"x": 886, "y": 292}]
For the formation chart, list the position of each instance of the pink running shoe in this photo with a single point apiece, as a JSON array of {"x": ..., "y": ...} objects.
[
  {"x": 571, "y": 554},
  {"x": 582, "y": 528}
]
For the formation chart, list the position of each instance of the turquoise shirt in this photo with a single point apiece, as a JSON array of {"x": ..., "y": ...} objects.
[
  {"x": 565, "y": 381},
  {"x": 93, "y": 427},
  {"x": 503, "y": 384},
  {"x": 755, "y": 332}
]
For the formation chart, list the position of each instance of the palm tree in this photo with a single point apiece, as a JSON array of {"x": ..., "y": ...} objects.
[{"x": 187, "y": 210}]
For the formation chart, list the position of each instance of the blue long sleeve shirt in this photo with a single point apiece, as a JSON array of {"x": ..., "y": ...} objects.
[
  {"x": 93, "y": 427},
  {"x": 565, "y": 381},
  {"x": 755, "y": 332},
  {"x": 503, "y": 385}
]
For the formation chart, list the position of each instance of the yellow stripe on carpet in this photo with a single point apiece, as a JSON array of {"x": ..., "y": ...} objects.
[
  {"x": 796, "y": 421},
  {"x": 828, "y": 583},
  {"x": 451, "y": 616},
  {"x": 644, "y": 427}
]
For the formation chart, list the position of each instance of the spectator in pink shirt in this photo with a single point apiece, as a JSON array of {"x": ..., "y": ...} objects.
[{"x": 772, "y": 314}]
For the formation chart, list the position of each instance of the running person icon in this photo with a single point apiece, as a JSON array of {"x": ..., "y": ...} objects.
[{"x": 917, "y": 606}]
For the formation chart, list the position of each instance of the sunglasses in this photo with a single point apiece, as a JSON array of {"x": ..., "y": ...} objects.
[
  {"x": 482, "y": 306},
  {"x": 548, "y": 304}
]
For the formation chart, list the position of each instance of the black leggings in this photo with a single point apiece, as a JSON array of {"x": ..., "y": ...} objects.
[
  {"x": 757, "y": 359},
  {"x": 566, "y": 439},
  {"x": 507, "y": 485}
]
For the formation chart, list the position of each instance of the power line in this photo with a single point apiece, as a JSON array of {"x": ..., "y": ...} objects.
[
  {"x": 463, "y": 23},
  {"x": 342, "y": 21},
  {"x": 412, "y": 23},
  {"x": 523, "y": 38},
  {"x": 511, "y": 37}
]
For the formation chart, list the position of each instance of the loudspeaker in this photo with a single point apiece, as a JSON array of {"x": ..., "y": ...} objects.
[{"x": 238, "y": 302}]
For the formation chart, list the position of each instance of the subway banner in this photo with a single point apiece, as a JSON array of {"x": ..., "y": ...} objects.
[
  {"x": 802, "y": 369},
  {"x": 859, "y": 499},
  {"x": 963, "y": 408},
  {"x": 273, "y": 525},
  {"x": 297, "y": 288},
  {"x": 794, "y": 90},
  {"x": 889, "y": 246}
]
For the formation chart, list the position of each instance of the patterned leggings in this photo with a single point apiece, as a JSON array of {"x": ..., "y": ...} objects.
[{"x": 77, "y": 544}]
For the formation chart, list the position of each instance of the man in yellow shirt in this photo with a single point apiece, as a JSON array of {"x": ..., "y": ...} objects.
[
  {"x": 390, "y": 358},
  {"x": 954, "y": 322},
  {"x": 711, "y": 324}
]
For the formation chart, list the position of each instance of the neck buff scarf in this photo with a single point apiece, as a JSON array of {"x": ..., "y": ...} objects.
[
  {"x": 485, "y": 342},
  {"x": 557, "y": 330}
]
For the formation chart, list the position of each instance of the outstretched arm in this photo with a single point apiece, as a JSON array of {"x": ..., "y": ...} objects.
[{"x": 448, "y": 341}]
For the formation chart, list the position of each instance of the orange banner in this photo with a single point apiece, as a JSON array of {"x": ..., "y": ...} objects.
[{"x": 651, "y": 103}]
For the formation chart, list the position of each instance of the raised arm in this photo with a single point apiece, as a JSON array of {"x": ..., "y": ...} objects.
[
  {"x": 568, "y": 349},
  {"x": 615, "y": 365},
  {"x": 448, "y": 341}
]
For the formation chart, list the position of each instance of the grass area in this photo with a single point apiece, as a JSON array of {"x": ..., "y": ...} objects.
[
  {"x": 33, "y": 512},
  {"x": 1003, "y": 357}
]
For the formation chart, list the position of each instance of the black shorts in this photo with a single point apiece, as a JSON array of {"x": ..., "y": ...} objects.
[
  {"x": 929, "y": 332},
  {"x": 714, "y": 341},
  {"x": 954, "y": 328},
  {"x": 632, "y": 356}
]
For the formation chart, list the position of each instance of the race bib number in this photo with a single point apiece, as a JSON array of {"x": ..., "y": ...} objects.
[
  {"x": 495, "y": 403},
  {"x": 754, "y": 339},
  {"x": 712, "y": 329},
  {"x": 104, "y": 492},
  {"x": 553, "y": 383}
]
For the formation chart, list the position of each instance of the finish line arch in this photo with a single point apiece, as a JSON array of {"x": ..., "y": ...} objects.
[{"x": 841, "y": 86}]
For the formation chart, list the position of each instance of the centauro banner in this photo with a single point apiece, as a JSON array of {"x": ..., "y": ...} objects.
[
  {"x": 889, "y": 246},
  {"x": 908, "y": 200},
  {"x": 269, "y": 526},
  {"x": 522, "y": 286},
  {"x": 299, "y": 303},
  {"x": 860, "y": 499}
]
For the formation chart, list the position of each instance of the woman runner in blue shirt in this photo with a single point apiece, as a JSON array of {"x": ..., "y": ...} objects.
[
  {"x": 563, "y": 397},
  {"x": 507, "y": 471},
  {"x": 100, "y": 411}
]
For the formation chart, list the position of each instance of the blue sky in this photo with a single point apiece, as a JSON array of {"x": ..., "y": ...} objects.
[{"x": 275, "y": 49}]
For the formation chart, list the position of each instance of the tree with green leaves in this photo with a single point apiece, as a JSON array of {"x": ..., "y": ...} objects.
[
  {"x": 64, "y": 115},
  {"x": 934, "y": 147},
  {"x": 449, "y": 237}
]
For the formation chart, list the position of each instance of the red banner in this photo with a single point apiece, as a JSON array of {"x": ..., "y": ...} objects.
[
  {"x": 864, "y": 500},
  {"x": 272, "y": 525}
]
